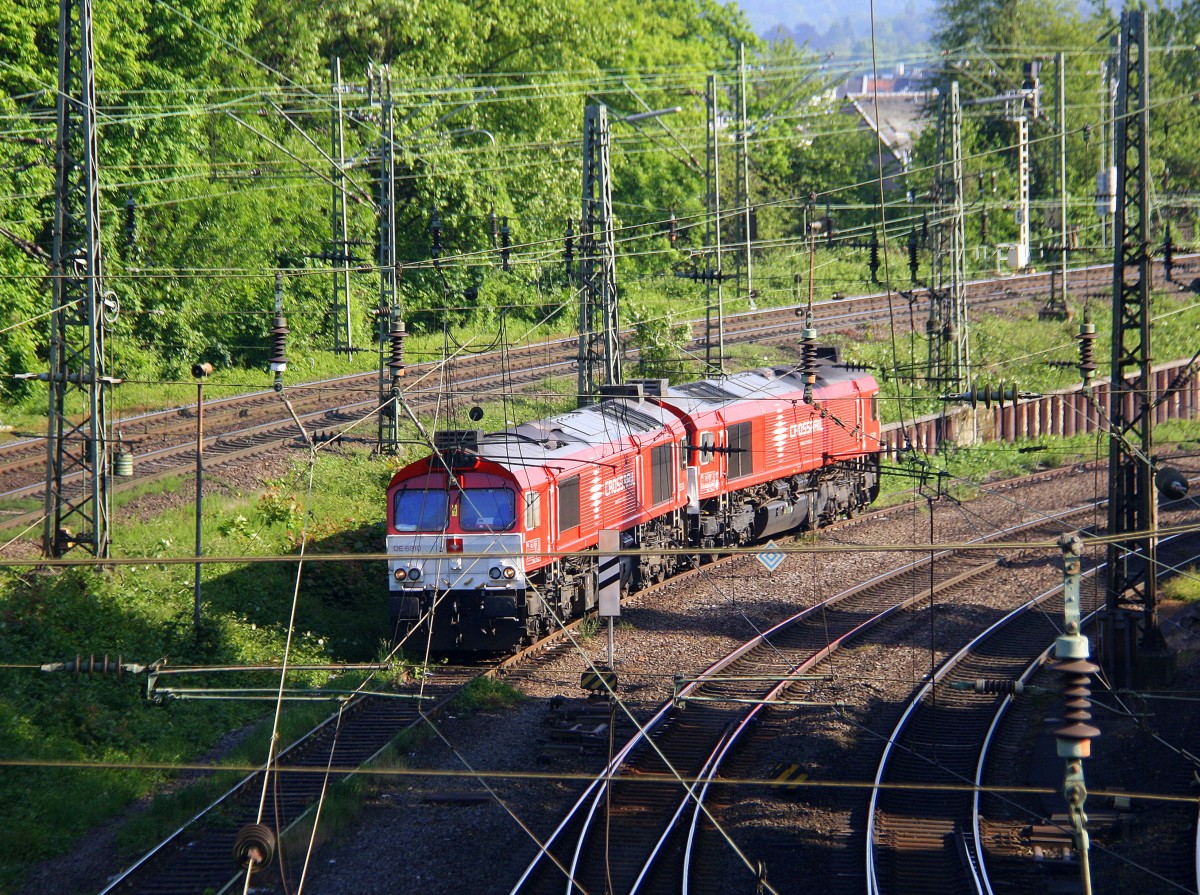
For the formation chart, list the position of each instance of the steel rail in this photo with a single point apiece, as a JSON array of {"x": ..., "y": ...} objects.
[
  {"x": 584, "y": 811},
  {"x": 944, "y": 669},
  {"x": 825, "y": 311},
  {"x": 970, "y": 836},
  {"x": 984, "y": 887},
  {"x": 359, "y": 708}
]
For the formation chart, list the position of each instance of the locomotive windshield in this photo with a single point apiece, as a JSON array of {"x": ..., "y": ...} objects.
[
  {"x": 487, "y": 509},
  {"x": 418, "y": 509}
]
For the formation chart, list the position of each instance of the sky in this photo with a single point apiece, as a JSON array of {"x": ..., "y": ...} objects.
[{"x": 764, "y": 14}]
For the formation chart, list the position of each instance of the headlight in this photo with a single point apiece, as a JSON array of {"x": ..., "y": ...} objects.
[
  {"x": 510, "y": 572},
  {"x": 495, "y": 572},
  {"x": 400, "y": 574},
  {"x": 414, "y": 574}
]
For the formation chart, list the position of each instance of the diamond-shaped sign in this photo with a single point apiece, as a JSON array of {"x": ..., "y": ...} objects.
[{"x": 772, "y": 556}]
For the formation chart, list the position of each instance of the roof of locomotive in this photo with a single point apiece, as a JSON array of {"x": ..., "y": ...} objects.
[
  {"x": 597, "y": 432},
  {"x": 833, "y": 380},
  {"x": 587, "y": 435}
]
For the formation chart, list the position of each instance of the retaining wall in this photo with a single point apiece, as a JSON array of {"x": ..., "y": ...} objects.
[{"x": 1064, "y": 412}]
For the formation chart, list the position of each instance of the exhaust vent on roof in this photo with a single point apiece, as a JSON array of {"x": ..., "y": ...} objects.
[
  {"x": 630, "y": 390},
  {"x": 652, "y": 388}
]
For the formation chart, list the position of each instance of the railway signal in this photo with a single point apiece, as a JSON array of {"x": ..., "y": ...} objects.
[
  {"x": 435, "y": 233},
  {"x": 279, "y": 333},
  {"x": 873, "y": 248},
  {"x": 569, "y": 252},
  {"x": 505, "y": 243}
]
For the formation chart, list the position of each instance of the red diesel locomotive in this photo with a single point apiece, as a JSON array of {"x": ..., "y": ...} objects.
[{"x": 717, "y": 463}]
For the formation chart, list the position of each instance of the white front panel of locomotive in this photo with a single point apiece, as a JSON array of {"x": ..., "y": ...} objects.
[{"x": 488, "y": 562}]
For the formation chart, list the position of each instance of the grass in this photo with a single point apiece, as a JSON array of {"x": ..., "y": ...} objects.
[
  {"x": 144, "y": 612},
  {"x": 486, "y": 694},
  {"x": 1184, "y": 586},
  {"x": 588, "y": 627},
  {"x": 174, "y": 806}
]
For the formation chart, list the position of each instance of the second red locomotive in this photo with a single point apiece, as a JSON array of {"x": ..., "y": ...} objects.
[{"x": 493, "y": 537}]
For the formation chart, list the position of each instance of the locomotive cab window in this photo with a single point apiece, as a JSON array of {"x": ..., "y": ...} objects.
[
  {"x": 662, "y": 474},
  {"x": 487, "y": 509},
  {"x": 533, "y": 510},
  {"x": 741, "y": 457},
  {"x": 568, "y": 504},
  {"x": 874, "y": 408},
  {"x": 707, "y": 441},
  {"x": 418, "y": 509}
]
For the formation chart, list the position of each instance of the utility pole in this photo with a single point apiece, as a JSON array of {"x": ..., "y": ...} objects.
[
  {"x": 1132, "y": 502},
  {"x": 712, "y": 276},
  {"x": 743, "y": 183},
  {"x": 77, "y": 512},
  {"x": 949, "y": 335},
  {"x": 1021, "y": 108},
  {"x": 1106, "y": 177},
  {"x": 201, "y": 371},
  {"x": 1061, "y": 67},
  {"x": 599, "y": 320},
  {"x": 1022, "y": 258},
  {"x": 340, "y": 305},
  {"x": 1056, "y": 303},
  {"x": 388, "y": 313},
  {"x": 714, "y": 305}
]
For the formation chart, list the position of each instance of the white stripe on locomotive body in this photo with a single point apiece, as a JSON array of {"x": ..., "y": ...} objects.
[{"x": 594, "y": 492}]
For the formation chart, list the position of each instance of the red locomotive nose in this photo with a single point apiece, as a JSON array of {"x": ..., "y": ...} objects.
[{"x": 454, "y": 545}]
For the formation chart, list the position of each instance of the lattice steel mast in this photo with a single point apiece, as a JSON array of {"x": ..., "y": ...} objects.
[
  {"x": 77, "y": 453},
  {"x": 949, "y": 336},
  {"x": 1132, "y": 506},
  {"x": 599, "y": 320}
]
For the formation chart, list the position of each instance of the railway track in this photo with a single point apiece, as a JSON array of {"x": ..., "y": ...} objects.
[
  {"x": 249, "y": 424},
  {"x": 198, "y": 857},
  {"x": 927, "y": 836},
  {"x": 633, "y": 830}
]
